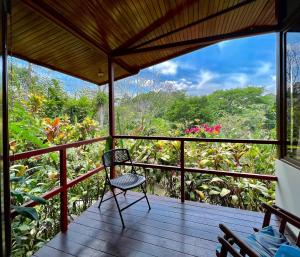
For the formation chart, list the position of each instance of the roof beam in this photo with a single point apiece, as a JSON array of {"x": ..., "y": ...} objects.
[
  {"x": 202, "y": 41},
  {"x": 234, "y": 7},
  {"x": 49, "y": 13},
  {"x": 173, "y": 55},
  {"x": 162, "y": 20}
]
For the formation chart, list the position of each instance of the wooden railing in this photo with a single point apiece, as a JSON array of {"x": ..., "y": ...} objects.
[
  {"x": 65, "y": 185},
  {"x": 184, "y": 169}
]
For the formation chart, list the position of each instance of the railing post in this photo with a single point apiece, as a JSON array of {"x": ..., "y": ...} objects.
[
  {"x": 182, "y": 180},
  {"x": 111, "y": 108},
  {"x": 64, "y": 193}
]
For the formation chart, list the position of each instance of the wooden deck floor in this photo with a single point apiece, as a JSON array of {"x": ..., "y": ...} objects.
[{"x": 170, "y": 229}]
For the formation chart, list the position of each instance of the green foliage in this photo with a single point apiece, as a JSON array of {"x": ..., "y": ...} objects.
[
  {"x": 78, "y": 109},
  {"x": 55, "y": 100},
  {"x": 42, "y": 114},
  {"x": 186, "y": 108},
  {"x": 101, "y": 98}
]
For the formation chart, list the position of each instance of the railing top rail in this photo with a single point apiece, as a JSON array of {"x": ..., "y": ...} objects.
[
  {"x": 198, "y": 139},
  {"x": 207, "y": 171},
  {"x": 55, "y": 191},
  {"x": 28, "y": 154}
]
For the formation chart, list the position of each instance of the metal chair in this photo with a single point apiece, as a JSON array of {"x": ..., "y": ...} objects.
[{"x": 124, "y": 182}]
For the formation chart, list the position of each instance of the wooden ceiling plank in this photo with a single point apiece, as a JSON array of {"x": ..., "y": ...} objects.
[
  {"x": 212, "y": 39},
  {"x": 41, "y": 35},
  {"x": 47, "y": 12},
  {"x": 159, "y": 22},
  {"x": 221, "y": 19},
  {"x": 20, "y": 56},
  {"x": 233, "y": 17},
  {"x": 128, "y": 21},
  {"x": 197, "y": 22},
  {"x": 156, "y": 7},
  {"x": 261, "y": 18},
  {"x": 173, "y": 55},
  {"x": 59, "y": 20}
]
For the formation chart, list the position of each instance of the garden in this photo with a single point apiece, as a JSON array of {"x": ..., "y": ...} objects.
[{"x": 43, "y": 114}]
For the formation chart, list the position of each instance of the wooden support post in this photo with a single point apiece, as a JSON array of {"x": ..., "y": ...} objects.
[
  {"x": 5, "y": 223},
  {"x": 281, "y": 96},
  {"x": 111, "y": 108},
  {"x": 64, "y": 193},
  {"x": 182, "y": 180}
]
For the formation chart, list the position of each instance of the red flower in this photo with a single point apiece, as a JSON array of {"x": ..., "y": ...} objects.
[{"x": 216, "y": 129}]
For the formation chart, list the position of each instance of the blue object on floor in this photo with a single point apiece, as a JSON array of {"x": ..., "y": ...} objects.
[
  {"x": 288, "y": 251},
  {"x": 267, "y": 241}
]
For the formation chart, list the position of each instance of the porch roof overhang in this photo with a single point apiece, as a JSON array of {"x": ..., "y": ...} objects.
[{"x": 77, "y": 37}]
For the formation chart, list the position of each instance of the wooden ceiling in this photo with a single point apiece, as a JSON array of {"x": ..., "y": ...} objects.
[{"x": 76, "y": 37}]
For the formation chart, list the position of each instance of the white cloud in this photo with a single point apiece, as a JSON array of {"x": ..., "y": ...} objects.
[
  {"x": 186, "y": 66},
  {"x": 181, "y": 84},
  {"x": 207, "y": 82},
  {"x": 141, "y": 82},
  {"x": 273, "y": 77},
  {"x": 223, "y": 44},
  {"x": 166, "y": 68},
  {"x": 237, "y": 79},
  {"x": 205, "y": 77},
  {"x": 264, "y": 68}
]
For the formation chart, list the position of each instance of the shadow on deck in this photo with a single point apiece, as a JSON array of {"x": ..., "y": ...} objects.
[{"x": 170, "y": 229}]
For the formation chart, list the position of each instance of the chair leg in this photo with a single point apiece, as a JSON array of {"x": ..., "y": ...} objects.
[
  {"x": 112, "y": 189},
  {"x": 146, "y": 196},
  {"x": 125, "y": 192},
  {"x": 102, "y": 196}
]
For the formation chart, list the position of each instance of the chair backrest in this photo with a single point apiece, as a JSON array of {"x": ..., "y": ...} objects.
[{"x": 115, "y": 157}]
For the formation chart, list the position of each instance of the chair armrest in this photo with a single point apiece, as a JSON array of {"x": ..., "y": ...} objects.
[
  {"x": 281, "y": 213},
  {"x": 227, "y": 244},
  {"x": 285, "y": 217},
  {"x": 227, "y": 247}
]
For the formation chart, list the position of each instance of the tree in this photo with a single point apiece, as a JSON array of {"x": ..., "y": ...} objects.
[
  {"x": 188, "y": 108},
  {"x": 55, "y": 100},
  {"x": 101, "y": 100}
]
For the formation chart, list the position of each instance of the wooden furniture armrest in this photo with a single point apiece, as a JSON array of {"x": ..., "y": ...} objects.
[
  {"x": 283, "y": 214},
  {"x": 227, "y": 247},
  {"x": 287, "y": 213},
  {"x": 285, "y": 217},
  {"x": 228, "y": 239}
]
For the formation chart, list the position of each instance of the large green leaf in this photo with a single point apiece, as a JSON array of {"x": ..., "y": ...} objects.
[
  {"x": 37, "y": 199},
  {"x": 18, "y": 195},
  {"x": 213, "y": 192},
  {"x": 224, "y": 192},
  {"x": 108, "y": 144},
  {"x": 27, "y": 212},
  {"x": 216, "y": 180}
]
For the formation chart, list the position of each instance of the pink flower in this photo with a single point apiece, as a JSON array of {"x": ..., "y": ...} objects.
[
  {"x": 215, "y": 129},
  {"x": 192, "y": 130},
  {"x": 187, "y": 131}
]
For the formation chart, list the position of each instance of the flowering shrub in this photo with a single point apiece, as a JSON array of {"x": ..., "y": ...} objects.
[
  {"x": 50, "y": 116},
  {"x": 204, "y": 129}
]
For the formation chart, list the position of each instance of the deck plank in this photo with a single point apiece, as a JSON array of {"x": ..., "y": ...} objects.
[
  {"x": 169, "y": 229},
  {"x": 47, "y": 251},
  {"x": 201, "y": 218}
]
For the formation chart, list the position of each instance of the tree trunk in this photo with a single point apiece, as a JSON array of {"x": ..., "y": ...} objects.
[{"x": 101, "y": 115}]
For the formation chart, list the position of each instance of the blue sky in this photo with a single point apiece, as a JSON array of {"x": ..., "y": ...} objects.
[{"x": 229, "y": 64}]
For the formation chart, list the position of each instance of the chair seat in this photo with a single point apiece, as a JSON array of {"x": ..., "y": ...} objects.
[{"x": 127, "y": 181}]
